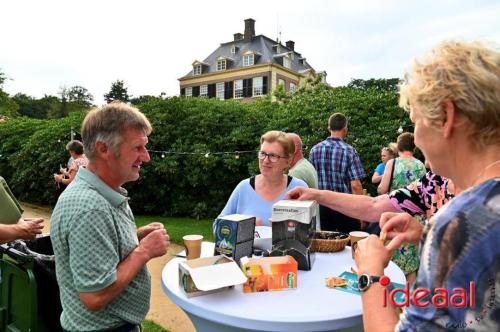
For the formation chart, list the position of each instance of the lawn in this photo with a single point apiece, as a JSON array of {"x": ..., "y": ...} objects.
[
  {"x": 178, "y": 227},
  {"x": 150, "y": 326}
]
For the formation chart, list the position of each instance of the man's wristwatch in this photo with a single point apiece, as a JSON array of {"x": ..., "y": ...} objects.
[{"x": 365, "y": 281}]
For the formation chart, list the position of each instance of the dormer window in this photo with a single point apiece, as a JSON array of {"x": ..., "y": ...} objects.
[
  {"x": 197, "y": 70},
  {"x": 221, "y": 65},
  {"x": 277, "y": 48},
  {"x": 287, "y": 63},
  {"x": 233, "y": 49},
  {"x": 248, "y": 60}
]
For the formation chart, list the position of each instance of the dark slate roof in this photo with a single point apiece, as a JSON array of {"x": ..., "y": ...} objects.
[{"x": 261, "y": 45}]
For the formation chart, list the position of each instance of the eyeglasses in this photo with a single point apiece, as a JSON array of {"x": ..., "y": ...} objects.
[{"x": 272, "y": 157}]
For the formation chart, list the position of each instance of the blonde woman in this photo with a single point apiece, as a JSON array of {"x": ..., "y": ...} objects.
[
  {"x": 255, "y": 196},
  {"x": 453, "y": 97}
]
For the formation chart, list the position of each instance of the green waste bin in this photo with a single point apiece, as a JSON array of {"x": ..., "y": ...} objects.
[{"x": 29, "y": 294}]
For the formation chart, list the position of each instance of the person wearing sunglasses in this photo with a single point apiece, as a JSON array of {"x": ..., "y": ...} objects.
[{"x": 255, "y": 196}]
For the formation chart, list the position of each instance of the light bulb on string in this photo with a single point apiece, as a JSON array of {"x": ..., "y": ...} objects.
[
  {"x": 236, "y": 156},
  {"x": 163, "y": 155},
  {"x": 207, "y": 154},
  {"x": 400, "y": 130}
]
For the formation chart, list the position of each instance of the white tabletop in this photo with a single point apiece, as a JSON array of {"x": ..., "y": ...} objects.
[{"x": 310, "y": 307}]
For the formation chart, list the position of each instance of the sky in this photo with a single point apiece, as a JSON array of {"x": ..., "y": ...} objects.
[{"x": 46, "y": 45}]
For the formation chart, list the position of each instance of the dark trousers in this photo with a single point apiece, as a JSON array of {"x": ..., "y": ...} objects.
[{"x": 332, "y": 220}]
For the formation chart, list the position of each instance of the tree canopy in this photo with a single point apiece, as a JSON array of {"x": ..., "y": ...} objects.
[{"x": 118, "y": 91}]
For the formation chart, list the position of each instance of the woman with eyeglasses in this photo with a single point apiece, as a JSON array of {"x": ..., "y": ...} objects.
[{"x": 255, "y": 196}]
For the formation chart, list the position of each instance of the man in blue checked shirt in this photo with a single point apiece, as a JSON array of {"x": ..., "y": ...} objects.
[{"x": 339, "y": 169}]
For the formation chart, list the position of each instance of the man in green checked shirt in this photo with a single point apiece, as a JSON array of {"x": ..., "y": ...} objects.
[{"x": 100, "y": 255}]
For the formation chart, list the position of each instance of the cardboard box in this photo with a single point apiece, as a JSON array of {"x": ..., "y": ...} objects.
[
  {"x": 270, "y": 274},
  {"x": 234, "y": 236},
  {"x": 301, "y": 211},
  {"x": 209, "y": 275},
  {"x": 294, "y": 225}
]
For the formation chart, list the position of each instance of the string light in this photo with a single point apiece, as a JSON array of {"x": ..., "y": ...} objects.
[{"x": 400, "y": 130}]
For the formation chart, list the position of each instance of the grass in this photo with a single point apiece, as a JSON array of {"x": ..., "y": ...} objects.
[
  {"x": 178, "y": 227},
  {"x": 150, "y": 326}
]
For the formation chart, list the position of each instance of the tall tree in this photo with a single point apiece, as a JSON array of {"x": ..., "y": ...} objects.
[
  {"x": 8, "y": 107},
  {"x": 80, "y": 96},
  {"x": 381, "y": 84},
  {"x": 118, "y": 92}
]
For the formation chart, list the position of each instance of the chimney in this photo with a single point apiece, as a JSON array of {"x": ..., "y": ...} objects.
[
  {"x": 290, "y": 45},
  {"x": 249, "y": 29},
  {"x": 238, "y": 36}
]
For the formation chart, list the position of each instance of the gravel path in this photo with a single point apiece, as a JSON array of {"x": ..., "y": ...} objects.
[{"x": 162, "y": 310}]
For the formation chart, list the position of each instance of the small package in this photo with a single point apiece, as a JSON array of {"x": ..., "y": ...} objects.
[
  {"x": 209, "y": 275},
  {"x": 269, "y": 273},
  {"x": 234, "y": 236}
]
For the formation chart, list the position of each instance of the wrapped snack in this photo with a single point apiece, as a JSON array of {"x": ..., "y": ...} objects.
[{"x": 332, "y": 282}]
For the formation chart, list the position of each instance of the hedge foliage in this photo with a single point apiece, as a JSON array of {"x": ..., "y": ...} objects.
[{"x": 194, "y": 184}]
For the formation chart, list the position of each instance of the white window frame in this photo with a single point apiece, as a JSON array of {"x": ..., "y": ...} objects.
[
  {"x": 258, "y": 86},
  {"x": 248, "y": 60},
  {"x": 238, "y": 89},
  {"x": 233, "y": 49},
  {"x": 189, "y": 92},
  {"x": 219, "y": 90},
  {"x": 287, "y": 63},
  {"x": 204, "y": 90},
  {"x": 293, "y": 87},
  {"x": 197, "y": 70},
  {"x": 221, "y": 65}
]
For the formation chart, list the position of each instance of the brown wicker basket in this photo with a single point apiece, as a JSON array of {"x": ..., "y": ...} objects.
[{"x": 329, "y": 245}]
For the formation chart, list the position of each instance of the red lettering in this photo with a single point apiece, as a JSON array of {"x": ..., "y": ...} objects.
[
  {"x": 405, "y": 291},
  {"x": 459, "y": 294},
  {"x": 472, "y": 293},
  {"x": 415, "y": 297},
  {"x": 440, "y": 298}
]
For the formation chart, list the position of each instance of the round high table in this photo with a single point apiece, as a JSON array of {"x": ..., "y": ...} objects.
[{"x": 310, "y": 307}]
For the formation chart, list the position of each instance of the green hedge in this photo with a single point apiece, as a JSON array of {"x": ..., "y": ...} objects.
[{"x": 193, "y": 184}]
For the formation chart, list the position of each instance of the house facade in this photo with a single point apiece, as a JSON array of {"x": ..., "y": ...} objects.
[{"x": 248, "y": 67}]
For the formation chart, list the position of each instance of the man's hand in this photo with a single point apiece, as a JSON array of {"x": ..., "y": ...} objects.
[
  {"x": 155, "y": 244},
  {"x": 28, "y": 228},
  {"x": 58, "y": 178},
  {"x": 145, "y": 230},
  {"x": 401, "y": 227},
  {"x": 303, "y": 194}
]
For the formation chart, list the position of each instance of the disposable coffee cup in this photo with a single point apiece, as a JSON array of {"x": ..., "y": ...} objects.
[
  {"x": 355, "y": 237},
  {"x": 193, "y": 246}
]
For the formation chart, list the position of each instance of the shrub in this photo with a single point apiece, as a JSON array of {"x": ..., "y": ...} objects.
[{"x": 182, "y": 180}]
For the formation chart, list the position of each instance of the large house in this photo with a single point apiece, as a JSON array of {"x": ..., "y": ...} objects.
[{"x": 248, "y": 66}]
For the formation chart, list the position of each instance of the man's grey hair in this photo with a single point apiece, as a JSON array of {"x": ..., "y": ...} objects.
[{"x": 107, "y": 123}]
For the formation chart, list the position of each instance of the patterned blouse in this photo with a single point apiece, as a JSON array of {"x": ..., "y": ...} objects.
[
  {"x": 79, "y": 162},
  {"x": 405, "y": 172},
  {"x": 424, "y": 196},
  {"x": 460, "y": 247}
]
